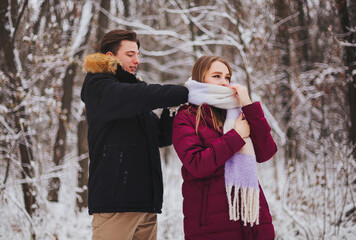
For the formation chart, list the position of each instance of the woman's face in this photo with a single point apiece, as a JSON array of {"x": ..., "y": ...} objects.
[{"x": 218, "y": 74}]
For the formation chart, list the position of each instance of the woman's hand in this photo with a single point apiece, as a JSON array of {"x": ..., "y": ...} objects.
[
  {"x": 242, "y": 127},
  {"x": 242, "y": 93}
]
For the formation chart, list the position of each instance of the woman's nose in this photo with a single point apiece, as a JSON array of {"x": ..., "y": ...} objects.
[{"x": 224, "y": 83}]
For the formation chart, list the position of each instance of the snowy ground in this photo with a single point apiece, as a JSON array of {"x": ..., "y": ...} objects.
[{"x": 60, "y": 221}]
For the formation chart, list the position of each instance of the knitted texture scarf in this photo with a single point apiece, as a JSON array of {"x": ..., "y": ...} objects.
[{"x": 241, "y": 169}]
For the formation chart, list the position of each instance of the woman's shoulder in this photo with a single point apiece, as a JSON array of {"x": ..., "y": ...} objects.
[
  {"x": 189, "y": 109},
  {"x": 186, "y": 112}
]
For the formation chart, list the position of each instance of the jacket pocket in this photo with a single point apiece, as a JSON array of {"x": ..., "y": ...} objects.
[
  {"x": 204, "y": 205},
  {"x": 133, "y": 173}
]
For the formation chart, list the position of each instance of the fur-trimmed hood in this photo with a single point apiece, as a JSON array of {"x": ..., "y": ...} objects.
[
  {"x": 100, "y": 63},
  {"x": 97, "y": 63}
]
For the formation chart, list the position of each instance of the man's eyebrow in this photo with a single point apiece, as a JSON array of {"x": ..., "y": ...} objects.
[{"x": 132, "y": 52}]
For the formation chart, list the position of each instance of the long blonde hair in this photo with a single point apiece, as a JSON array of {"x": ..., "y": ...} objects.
[{"x": 200, "y": 68}]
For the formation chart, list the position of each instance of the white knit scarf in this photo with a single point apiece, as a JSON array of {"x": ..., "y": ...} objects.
[{"x": 241, "y": 177}]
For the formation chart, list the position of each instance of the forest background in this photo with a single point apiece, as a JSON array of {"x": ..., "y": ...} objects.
[{"x": 298, "y": 57}]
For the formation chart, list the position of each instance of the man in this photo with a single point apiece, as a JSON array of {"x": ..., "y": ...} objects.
[{"x": 125, "y": 178}]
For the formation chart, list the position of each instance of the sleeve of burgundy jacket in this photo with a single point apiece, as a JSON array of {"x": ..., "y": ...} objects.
[
  {"x": 199, "y": 160},
  {"x": 262, "y": 140}
]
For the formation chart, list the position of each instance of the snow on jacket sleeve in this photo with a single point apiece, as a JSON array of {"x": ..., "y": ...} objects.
[
  {"x": 262, "y": 140},
  {"x": 110, "y": 99},
  {"x": 199, "y": 160}
]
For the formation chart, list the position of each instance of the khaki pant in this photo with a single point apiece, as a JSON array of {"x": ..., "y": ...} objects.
[{"x": 124, "y": 226}]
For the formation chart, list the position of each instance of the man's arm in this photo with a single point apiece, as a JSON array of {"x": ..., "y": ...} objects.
[
  {"x": 165, "y": 126},
  {"x": 111, "y": 99}
]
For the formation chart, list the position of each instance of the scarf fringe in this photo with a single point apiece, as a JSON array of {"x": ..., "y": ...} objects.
[{"x": 248, "y": 209}]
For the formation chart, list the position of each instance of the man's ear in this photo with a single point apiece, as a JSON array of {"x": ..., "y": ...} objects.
[{"x": 110, "y": 54}]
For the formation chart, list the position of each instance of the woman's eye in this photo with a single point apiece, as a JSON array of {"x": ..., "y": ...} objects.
[
  {"x": 216, "y": 76},
  {"x": 228, "y": 78}
]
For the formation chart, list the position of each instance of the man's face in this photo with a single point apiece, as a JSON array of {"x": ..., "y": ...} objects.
[{"x": 128, "y": 56}]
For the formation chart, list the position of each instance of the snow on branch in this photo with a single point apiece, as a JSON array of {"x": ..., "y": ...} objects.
[
  {"x": 189, "y": 10},
  {"x": 83, "y": 27},
  {"x": 271, "y": 120},
  {"x": 141, "y": 28}
]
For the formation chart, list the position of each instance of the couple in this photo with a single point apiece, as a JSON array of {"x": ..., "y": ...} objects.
[{"x": 217, "y": 144}]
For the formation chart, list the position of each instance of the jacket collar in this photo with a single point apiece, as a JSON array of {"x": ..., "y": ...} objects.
[{"x": 100, "y": 63}]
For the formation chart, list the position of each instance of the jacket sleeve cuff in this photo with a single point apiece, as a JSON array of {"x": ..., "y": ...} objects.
[
  {"x": 253, "y": 111},
  {"x": 234, "y": 141}
]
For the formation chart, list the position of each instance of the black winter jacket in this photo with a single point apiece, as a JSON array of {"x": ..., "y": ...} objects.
[{"x": 124, "y": 136}]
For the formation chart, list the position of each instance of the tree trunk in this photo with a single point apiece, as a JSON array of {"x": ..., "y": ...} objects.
[
  {"x": 83, "y": 173},
  {"x": 303, "y": 38},
  {"x": 103, "y": 22},
  {"x": 26, "y": 154},
  {"x": 348, "y": 23},
  {"x": 244, "y": 64},
  {"x": 17, "y": 118},
  {"x": 283, "y": 48},
  {"x": 82, "y": 134},
  {"x": 61, "y": 138},
  {"x": 192, "y": 34},
  {"x": 64, "y": 117},
  {"x": 127, "y": 11}
]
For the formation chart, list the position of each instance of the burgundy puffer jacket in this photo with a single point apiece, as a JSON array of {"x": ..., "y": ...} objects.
[{"x": 205, "y": 205}]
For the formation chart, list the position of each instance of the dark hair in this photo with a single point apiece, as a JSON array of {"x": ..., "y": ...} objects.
[{"x": 112, "y": 40}]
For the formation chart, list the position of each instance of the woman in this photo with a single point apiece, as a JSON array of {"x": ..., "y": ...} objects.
[{"x": 219, "y": 151}]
